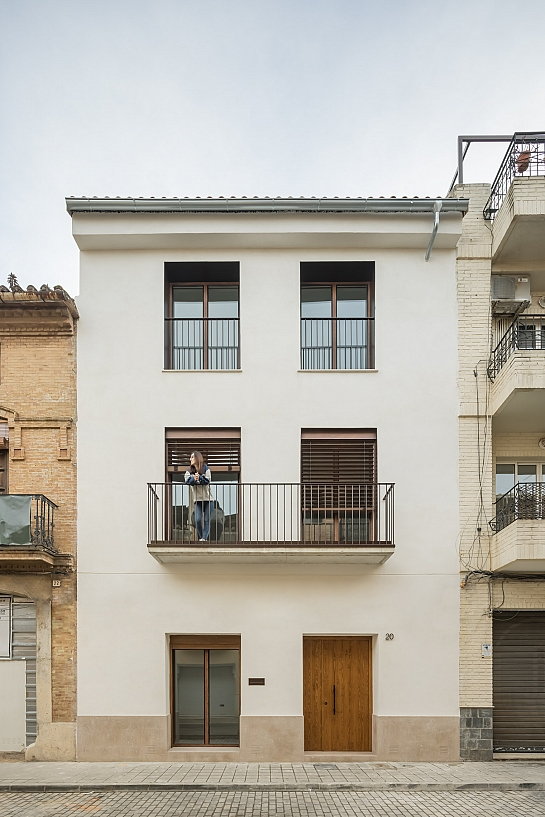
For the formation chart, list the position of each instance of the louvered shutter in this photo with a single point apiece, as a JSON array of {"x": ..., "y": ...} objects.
[
  {"x": 220, "y": 448},
  {"x": 338, "y": 457}
]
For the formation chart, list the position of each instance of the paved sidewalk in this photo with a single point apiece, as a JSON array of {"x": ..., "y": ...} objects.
[
  {"x": 499, "y": 776},
  {"x": 274, "y": 804}
]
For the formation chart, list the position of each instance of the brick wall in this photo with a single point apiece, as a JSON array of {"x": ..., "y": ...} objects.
[{"x": 38, "y": 398}]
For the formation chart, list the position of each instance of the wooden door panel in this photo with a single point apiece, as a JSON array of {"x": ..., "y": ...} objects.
[
  {"x": 312, "y": 693},
  {"x": 337, "y": 693}
]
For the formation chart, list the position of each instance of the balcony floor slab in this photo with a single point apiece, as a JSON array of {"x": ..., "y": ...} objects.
[{"x": 176, "y": 554}]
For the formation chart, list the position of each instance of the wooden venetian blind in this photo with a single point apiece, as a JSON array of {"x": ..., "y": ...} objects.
[
  {"x": 219, "y": 447},
  {"x": 338, "y": 456}
]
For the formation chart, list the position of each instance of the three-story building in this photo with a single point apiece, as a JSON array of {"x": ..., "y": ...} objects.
[{"x": 310, "y": 351}]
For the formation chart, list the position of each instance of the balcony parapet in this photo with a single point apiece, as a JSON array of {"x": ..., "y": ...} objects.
[
  {"x": 27, "y": 543},
  {"x": 270, "y": 522}
]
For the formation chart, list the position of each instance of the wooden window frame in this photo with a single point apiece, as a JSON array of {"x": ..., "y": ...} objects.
[
  {"x": 205, "y": 643},
  {"x": 369, "y": 318},
  {"x": 205, "y": 285},
  {"x": 342, "y": 435}
]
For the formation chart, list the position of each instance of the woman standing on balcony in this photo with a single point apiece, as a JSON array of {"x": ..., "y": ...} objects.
[{"x": 198, "y": 476}]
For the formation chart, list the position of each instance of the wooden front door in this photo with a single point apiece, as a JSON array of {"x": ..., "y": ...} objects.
[{"x": 337, "y": 700}]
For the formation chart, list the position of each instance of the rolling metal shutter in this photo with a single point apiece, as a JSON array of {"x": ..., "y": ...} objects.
[
  {"x": 338, "y": 456},
  {"x": 23, "y": 646},
  {"x": 219, "y": 447},
  {"x": 519, "y": 679}
]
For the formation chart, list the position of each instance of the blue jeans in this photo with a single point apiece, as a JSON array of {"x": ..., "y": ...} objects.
[{"x": 202, "y": 518}]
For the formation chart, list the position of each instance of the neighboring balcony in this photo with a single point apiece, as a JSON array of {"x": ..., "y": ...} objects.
[
  {"x": 265, "y": 522},
  {"x": 337, "y": 343},
  {"x": 202, "y": 343},
  {"x": 517, "y": 369},
  {"x": 27, "y": 542},
  {"x": 518, "y": 545},
  {"x": 517, "y": 202}
]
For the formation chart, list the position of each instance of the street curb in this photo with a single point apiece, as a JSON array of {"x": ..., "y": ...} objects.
[{"x": 272, "y": 787}]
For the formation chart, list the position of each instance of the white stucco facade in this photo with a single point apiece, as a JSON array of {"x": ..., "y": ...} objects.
[{"x": 130, "y": 603}]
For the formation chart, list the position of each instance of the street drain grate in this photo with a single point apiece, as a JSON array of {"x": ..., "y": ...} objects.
[{"x": 320, "y": 766}]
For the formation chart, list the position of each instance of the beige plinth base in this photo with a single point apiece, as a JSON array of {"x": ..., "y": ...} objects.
[
  {"x": 265, "y": 739},
  {"x": 55, "y": 741}
]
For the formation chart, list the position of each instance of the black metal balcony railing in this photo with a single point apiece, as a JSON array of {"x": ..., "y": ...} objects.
[
  {"x": 202, "y": 343},
  {"x": 526, "y": 332},
  {"x": 34, "y": 526},
  {"x": 525, "y": 501},
  {"x": 268, "y": 514},
  {"x": 337, "y": 343},
  {"x": 525, "y": 157}
]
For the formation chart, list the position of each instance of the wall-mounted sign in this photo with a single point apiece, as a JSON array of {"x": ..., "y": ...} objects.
[
  {"x": 486, "y": 650},
  {"x": 256, "y": 682},
  {"x": 5, "y": 626}
]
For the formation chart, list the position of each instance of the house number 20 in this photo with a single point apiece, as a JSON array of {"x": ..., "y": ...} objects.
[{"x": 389, "y": 636}]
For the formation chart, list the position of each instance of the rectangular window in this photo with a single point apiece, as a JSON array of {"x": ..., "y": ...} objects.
[
  {"x": 221, "y": 452},
  {"x": 338, "y": 485},
  {"x": 336, "y": 316},
  {"x": 202, "y": 316},
  {"x": 4, "y": 455},
  {"x": 520, "y": 492},
  {"x": 205, "y": 690}
]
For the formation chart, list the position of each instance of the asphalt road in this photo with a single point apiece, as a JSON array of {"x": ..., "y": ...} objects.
[{"x": 274, "y": 804}]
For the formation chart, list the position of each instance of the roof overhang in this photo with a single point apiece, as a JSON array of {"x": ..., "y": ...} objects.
[{"x": 235, "y": 224}]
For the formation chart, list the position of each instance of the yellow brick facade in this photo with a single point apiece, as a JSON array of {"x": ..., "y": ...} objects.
[
  {"x": 480, "y": 447},
  {"x": 38, "y": 401}
]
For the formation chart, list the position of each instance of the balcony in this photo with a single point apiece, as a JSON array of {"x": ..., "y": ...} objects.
[
  {"x": 202, "y": 343},
  {"x": 27, "y": 542},
  {"x": 275, "y": 523},
  {"x": 517, "y": 369},
  {"x": 517, "y": 202},
  {"x": 337, "y": 343},
  {"x": 518, "y": 545}
]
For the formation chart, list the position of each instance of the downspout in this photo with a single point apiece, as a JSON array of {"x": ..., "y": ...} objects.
[{"x": 436, "y": 209}]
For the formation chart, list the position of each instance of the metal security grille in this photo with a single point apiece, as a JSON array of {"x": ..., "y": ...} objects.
[
  {"x": 23, "y": 646},
  {"x": 349, "y": 457},
  {"x": 220, "y": 449},
  {"x": 519, "y": 679}
]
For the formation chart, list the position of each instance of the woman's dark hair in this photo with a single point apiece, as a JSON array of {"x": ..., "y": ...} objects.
[{"x": 199, "y": 466}]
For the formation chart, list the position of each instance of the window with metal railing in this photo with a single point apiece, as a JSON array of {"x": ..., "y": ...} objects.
[
  {"x": 337, "y": 325},
  {"x": 525, "y": 333},
  {"x": 202, "y": 315}
]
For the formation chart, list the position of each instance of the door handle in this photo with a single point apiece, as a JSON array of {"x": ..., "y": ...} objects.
[{"x": 334, "y": 699}]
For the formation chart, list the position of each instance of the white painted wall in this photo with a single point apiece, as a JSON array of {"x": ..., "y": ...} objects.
[{"x": 128, "y": 601}]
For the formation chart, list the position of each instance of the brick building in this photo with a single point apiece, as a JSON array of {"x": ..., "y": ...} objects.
[
  {"x": 37, "y": 522},
  {"x": 501, "y": 307}
]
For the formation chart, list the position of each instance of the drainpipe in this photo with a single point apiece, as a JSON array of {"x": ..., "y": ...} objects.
[{"x": 436, "y": 209}]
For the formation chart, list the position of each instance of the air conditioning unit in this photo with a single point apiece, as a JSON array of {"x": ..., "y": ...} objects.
[{"x": 510, "y": 294}]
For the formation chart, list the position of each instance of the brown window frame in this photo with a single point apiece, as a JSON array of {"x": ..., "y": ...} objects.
[
  {"x": 205, "y": 285},
  {"x": 199, "y": 438},
  {"x": 369, "y": 318},
  {"x": 321, "y": 494},
  {"x": 206, "y": 643}
]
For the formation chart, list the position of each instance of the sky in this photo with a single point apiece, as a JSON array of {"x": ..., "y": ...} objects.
[{"x": 248, "y": 97}]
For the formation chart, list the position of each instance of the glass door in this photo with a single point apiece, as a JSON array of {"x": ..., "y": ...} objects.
[{"x": 206, "y": 697}]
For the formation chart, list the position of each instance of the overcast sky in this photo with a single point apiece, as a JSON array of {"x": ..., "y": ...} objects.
[{"x": 248, "y": 97}]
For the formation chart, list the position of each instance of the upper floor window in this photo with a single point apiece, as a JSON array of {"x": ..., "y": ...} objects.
[
  {"x": 337, "y": 315},
  {"x": 202, "y": 323}
]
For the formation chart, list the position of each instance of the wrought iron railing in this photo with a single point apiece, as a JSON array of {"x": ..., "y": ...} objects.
[
  {"x": 202, "y": 343},
  {"x": 35, "y": 525},
  {"x": 270, "y": 514},
  {"x": 525, "y": 157},
  {"x": 337, "y": 343},
  {"x": 526, "y": 332},
  {"x": 525, "y": 501}
]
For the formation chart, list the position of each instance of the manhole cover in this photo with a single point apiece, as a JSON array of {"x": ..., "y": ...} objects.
[{"x": 319, "y": 766}]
